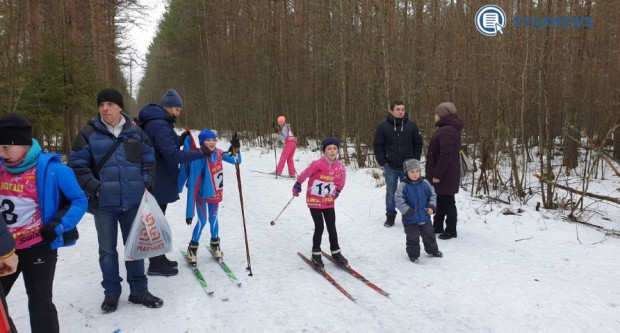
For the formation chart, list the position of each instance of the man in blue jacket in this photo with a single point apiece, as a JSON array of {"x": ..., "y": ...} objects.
[
  {"x": 158, "y": 123},
  {"x": 397, "y": 139},
  {"x": 114, "y": 163}
]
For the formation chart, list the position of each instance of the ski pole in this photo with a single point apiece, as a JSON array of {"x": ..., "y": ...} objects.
[
  {"x": 245, "y": 231},
  {"x": 275, "y": 155},
  {"x": 282, "y": 211}
]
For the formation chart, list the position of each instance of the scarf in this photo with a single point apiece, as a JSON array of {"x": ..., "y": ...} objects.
[{"x": 30, "y": 160}]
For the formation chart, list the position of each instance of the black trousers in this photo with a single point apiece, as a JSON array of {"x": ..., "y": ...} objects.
[
  {"x": 329, "y": 215},
  {"x": 38, "y": 265},
  {"x": 413, "y": 232},
  {"x": 157, "y": 260},
  {"x": 446, "y": 210}
]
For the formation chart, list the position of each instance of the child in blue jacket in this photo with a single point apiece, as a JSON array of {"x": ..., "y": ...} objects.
[
  {"x": 415, "y": 198},
  {"x": 204, "y": 179},
  {"x": 41, "y": 203}
]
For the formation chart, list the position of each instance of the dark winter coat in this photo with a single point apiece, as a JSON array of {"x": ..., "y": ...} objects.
[
  {"x": 124, "y": 176},
  {"x": 442, "y": 158},
  {"x": 412, "y": 198},
  {"x": 397, "y": 140},
  {"x": 159, "y": 126}
]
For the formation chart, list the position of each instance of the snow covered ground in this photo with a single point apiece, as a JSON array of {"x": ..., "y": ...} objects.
[{"x": 532, "y": 272}]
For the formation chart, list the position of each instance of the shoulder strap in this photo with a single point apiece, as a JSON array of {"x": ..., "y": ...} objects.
[
  {"x": 107, "y": 156},
  {"x": 88, "y": 130}
]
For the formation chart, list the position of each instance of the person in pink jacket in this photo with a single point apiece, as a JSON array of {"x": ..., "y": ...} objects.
[
  {"x": 326, "y": 179},
  {"x": 290, "y": 144}
]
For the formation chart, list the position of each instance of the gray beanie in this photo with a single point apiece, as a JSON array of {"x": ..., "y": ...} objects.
[
  {"x": 445, "y": 109},
  {"x": 411, "y": 164}
]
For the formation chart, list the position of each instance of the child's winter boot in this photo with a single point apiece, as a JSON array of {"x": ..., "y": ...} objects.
[
  {"x": 192, "y": 253},
  {"x": 215, "y": 248},
  {"x": 317, "y": 261},
  {"x": 342, "y": 261}
]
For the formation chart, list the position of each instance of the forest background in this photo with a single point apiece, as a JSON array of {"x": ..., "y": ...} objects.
[{"x": 333, "y": 67}]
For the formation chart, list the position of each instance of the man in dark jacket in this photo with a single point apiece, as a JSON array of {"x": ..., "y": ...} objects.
[
  {"x": 158, "y": 123},
  {"x": 443, "y": 168},
  {"x": 397, "y": 139},
  {"x": 115, "y": 186}
]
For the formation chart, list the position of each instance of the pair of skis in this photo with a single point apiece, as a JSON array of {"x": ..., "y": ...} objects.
[
  {"x": 200, "y": 277},
  {"x": 347, "y": 268},
  {"x": 274, "y": 174}
]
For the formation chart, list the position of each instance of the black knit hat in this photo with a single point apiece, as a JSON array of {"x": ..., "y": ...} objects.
[
  {"x": 330, "y": 141},
  {"x": 110, "y": 95},
  {"x": 15, "y": 130}
]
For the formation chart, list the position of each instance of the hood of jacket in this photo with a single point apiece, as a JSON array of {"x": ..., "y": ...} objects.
[
  {"x": 396, "y": 121},
  {"x": 154, "y": 111},
  {"x": 453, "y": 121}
]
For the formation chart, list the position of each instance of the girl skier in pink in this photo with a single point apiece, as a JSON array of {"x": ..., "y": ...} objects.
[
  {"x": 326, "y": 179},
  {"x": 290, "y": 144},
  {"x": 205, "y": 187}
]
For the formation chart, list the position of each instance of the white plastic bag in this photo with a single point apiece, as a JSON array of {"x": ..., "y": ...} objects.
[
  {"x": 467, "y": 165},
  {"x": 150, "y": 234}
]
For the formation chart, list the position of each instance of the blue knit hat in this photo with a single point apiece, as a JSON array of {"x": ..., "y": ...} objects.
[
  {"x": 330, "y": 141},
  {"x": 206, "y": 134},
  {"x": 171, "y": 99}
]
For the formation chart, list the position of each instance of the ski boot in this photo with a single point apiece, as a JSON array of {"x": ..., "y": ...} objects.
[
  {"x": 317, "y": 261},
  {"x": 342, "y": 261},
  {"x": 192, "y": 253},
  {"x": 216, "y": 251}
]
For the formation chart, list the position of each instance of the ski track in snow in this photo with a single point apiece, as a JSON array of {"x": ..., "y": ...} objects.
[{"x": 524, "y": 273}]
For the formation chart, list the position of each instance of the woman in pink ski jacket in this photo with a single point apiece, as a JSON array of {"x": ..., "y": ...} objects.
[
  {"x": 290, "y": 144},
  {"x": 326, "y": 179}
]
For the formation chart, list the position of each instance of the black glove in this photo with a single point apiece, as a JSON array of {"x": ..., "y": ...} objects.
[
  {"x": 409, "y": 213},
  {"x": 235, "y": 141},
  {"x": 182, "y": 137},
  {"x": 205, "y": 151},
  {"x": 188, "y": 221},
  {"x": 48, "y": 233},
  {"x": 231, "y": 151}
]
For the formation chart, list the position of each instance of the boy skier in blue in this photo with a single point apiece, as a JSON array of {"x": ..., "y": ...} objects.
[{"x": 204, "y": 178}]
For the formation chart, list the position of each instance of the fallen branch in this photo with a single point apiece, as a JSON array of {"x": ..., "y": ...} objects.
[
  {"x": 603, "y": 154},
  {"x": 572, "y": 190}
]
